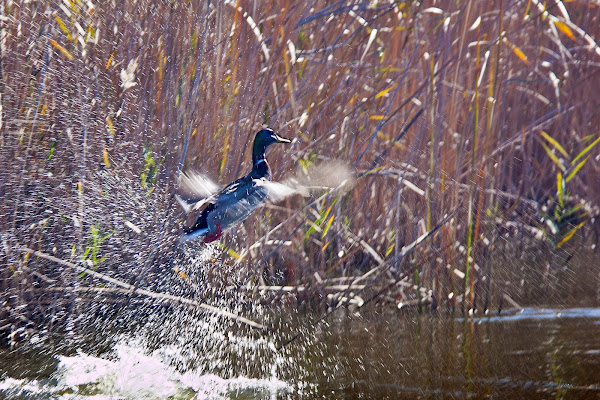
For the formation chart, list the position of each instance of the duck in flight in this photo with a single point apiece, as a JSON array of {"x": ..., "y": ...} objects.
[{"x": 225, "y": 208}]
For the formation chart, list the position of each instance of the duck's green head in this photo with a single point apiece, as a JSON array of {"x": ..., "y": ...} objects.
[{"x": 264, "y": 138}]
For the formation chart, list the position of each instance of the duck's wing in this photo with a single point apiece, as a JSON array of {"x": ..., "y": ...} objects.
[
  {"x": 193, "y": 186},
  {"x": 276, "y": 191},
  {"x": 195, "y": 190},
  {"x": 327, "y": 175},
  {"x": 236, "y": 190},
  {"x": 240, "y": 199}
]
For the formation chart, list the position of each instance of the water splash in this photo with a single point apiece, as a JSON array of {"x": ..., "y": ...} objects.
[{"x": 132, "y": 373}]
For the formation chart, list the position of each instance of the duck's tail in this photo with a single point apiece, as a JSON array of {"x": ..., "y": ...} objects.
[{"x": 192, "y": 235}]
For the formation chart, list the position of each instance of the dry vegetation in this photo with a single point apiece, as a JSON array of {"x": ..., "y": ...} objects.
[{"x": 475, "y": 122}]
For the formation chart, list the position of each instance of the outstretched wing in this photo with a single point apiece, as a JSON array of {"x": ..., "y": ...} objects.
[
  {"x": 195, "y": 191},
  {"x": 327, "y": 175},
  {"x": 193, "y": 187},
  {"x": 234, "y": 191},
  {"x": 276, "y": 191}
]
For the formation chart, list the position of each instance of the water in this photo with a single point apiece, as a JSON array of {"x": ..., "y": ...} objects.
[
  {"x": 131, "y": 373},
  {"x": 376, "y": 354},
  {"x": 520, "y": 355}
]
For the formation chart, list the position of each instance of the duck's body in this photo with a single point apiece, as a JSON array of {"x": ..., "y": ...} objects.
[{"x": 238, "y": 200}]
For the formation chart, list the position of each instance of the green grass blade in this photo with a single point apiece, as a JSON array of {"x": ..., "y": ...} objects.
[
  {"x": 560, "y": 186},
  {"x": 554, "y": 143},
  {"x": 553, "y": 157},
  {"x": 595, "y": 142},
  {"x": 577, "y": 168},
  {"x": 572, "y": 210},
  {"x": 569, "y": 235},
  {"x": 327, "y": 226}
]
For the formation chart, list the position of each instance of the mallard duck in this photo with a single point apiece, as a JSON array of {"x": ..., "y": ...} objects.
[{"x": 225, "y": 208}]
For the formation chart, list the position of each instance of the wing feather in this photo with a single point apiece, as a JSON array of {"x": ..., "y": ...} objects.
[{"x": 194, "y": 186}]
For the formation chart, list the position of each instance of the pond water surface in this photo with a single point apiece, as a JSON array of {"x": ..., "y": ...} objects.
[{"x": 378, "y": 354}]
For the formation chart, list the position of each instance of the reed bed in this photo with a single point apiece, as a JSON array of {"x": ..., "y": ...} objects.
[{"x": 471, "y": 130}]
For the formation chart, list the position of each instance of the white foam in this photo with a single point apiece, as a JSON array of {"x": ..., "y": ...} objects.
[{"x": 133, "y": 374}]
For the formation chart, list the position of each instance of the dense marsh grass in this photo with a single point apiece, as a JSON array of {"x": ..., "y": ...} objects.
[{"x": 476, "y": 122}]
